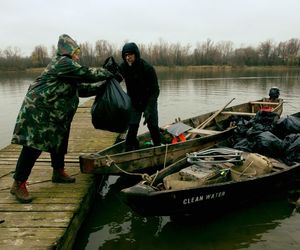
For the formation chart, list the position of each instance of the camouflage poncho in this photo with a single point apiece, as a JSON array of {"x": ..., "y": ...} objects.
[{"x": 51, "y": 101}]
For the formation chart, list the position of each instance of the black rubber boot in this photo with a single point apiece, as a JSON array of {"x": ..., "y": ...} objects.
[
  {"x": 155, "y": 134},
  {"x": 132, "y": 142}
]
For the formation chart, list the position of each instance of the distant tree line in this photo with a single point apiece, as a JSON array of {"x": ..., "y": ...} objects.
[{"x": 267, "y": 53}]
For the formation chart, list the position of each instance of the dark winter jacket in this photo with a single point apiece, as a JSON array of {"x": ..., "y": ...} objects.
[{"x": 140, "y": 79}]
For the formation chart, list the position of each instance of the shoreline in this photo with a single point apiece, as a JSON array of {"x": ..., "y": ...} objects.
[
  {"x": 202, "y": 68},
  {"x": 217, "y": 68}
]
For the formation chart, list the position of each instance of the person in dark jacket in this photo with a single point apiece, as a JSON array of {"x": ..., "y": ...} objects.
[
  {"x": 44, "y": 120},
  {"x": 142, "y": 87}
]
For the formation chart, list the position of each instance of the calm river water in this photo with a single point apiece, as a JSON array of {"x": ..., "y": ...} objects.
[{"x": 270, "y": 224}]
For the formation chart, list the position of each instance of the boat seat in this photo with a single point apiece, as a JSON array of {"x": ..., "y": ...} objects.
[
  {"x": 238, "y": 113},
  {"x": 265, "y": 103},
  {"x": 203, "y": 131}
]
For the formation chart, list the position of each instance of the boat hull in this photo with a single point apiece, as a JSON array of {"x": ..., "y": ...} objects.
[
  {"x": 116, "y": 161},
  {"x": 144, "y": 200}
]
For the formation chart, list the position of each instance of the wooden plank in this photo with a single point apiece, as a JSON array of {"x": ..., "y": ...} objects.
[
  {"x": 57, "y": 211},
  {"x": 35, "y": 219},
  {"x": 209, "y": 120},
  {"x": 238, "y": 113},
  {"x": 204, "y": 131},
  {"x": 265, "y": 103},
  {"x": 29, "y": 238}
]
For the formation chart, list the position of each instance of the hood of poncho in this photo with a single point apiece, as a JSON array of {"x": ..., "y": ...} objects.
[{"x": 66, "y": 46}]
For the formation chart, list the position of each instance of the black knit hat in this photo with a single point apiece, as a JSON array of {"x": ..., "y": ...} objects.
[{"x": 130, "y": 48}]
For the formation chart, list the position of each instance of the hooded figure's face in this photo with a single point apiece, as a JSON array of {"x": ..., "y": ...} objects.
[
  {"x": 130, "y": 58},
  {"x": 67, "y": 46},
  {"x": 130, "y": 53}
]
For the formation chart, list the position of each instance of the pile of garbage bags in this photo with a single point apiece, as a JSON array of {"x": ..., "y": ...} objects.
[{"x": 270, "y": 135}]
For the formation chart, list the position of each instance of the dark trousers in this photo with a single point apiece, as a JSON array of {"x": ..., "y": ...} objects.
[
  {"x": 27, "y": 159},
  {"x": 152, "y": 124}
]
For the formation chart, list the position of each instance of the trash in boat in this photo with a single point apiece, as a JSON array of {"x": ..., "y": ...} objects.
[{"x": 178, "y": 128}]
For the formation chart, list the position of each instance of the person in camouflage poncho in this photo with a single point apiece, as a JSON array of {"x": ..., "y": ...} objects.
[{"x": 44, "y": 120}]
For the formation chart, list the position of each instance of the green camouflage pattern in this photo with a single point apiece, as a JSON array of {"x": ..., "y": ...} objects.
[
  {"x": 52, "y": 99},
  {"x": 66, "y": 45}
]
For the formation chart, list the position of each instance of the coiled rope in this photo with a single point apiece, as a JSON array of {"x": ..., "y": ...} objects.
[
  {"x": 110, "y": 162},
  {"x": 147, "y": 178}
]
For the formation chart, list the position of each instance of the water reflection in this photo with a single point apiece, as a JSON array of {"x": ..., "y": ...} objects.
[
  {"x": 12, "y": 92},
  {"x": 224, "y": 72}
]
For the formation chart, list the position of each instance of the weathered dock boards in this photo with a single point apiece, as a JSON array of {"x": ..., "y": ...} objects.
[{"x": 54, "y": 217}]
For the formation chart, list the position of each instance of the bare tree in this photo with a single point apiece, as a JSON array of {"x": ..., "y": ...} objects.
[
  {"x": 39, "y": 56},
  {"x": 12, "y": 58},
  {"x": 207, "y": 53},
  {"x": 87, "y": 54},
  {"x": 266, "y": 50},
  {"x": 226, "y": 50},
  {"x": 179, "y": 54},
  {"x": 103, "y": 49},
  {"x": 246, "y": 56},
  {"x": 281, "y": 52},
  {"x": 292, "y": 48}
]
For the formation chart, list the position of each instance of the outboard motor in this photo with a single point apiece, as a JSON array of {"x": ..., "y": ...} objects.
[{"x": 274, "y": 93}]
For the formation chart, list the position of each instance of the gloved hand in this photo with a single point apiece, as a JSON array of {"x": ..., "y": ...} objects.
[
  {"x": 118, "y": 77},
  {"x": 113, "y": 67}
]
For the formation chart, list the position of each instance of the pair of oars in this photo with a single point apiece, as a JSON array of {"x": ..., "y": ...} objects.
[{"x": 208, "y": 120}]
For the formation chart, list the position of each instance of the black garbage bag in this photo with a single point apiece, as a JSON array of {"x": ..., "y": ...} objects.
[
  {"x": 244, "y": 144},
  {"x": 263, "y": 121},
  {"x": 111, "y": 108},
  {"x": 268, "y": 144},
  {"x": 242, "y": 126},
  {"x": 286, "y": 125},
  {"x": 292, "y": 148},
  {"x": 266, "y": 118},
  {"x": 255, "y": 130}
]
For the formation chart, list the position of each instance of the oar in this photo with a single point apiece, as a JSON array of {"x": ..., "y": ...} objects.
[{"x": 208, "y": 120}]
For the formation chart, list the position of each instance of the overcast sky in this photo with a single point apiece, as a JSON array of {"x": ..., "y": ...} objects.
[{"x": 28, "y": 23}]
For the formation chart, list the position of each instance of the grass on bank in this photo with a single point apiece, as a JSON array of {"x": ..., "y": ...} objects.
[{"x": 186, "y": 69}]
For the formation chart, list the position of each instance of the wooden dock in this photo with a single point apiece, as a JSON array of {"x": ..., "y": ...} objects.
[{"x": 54, "y": 217}]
